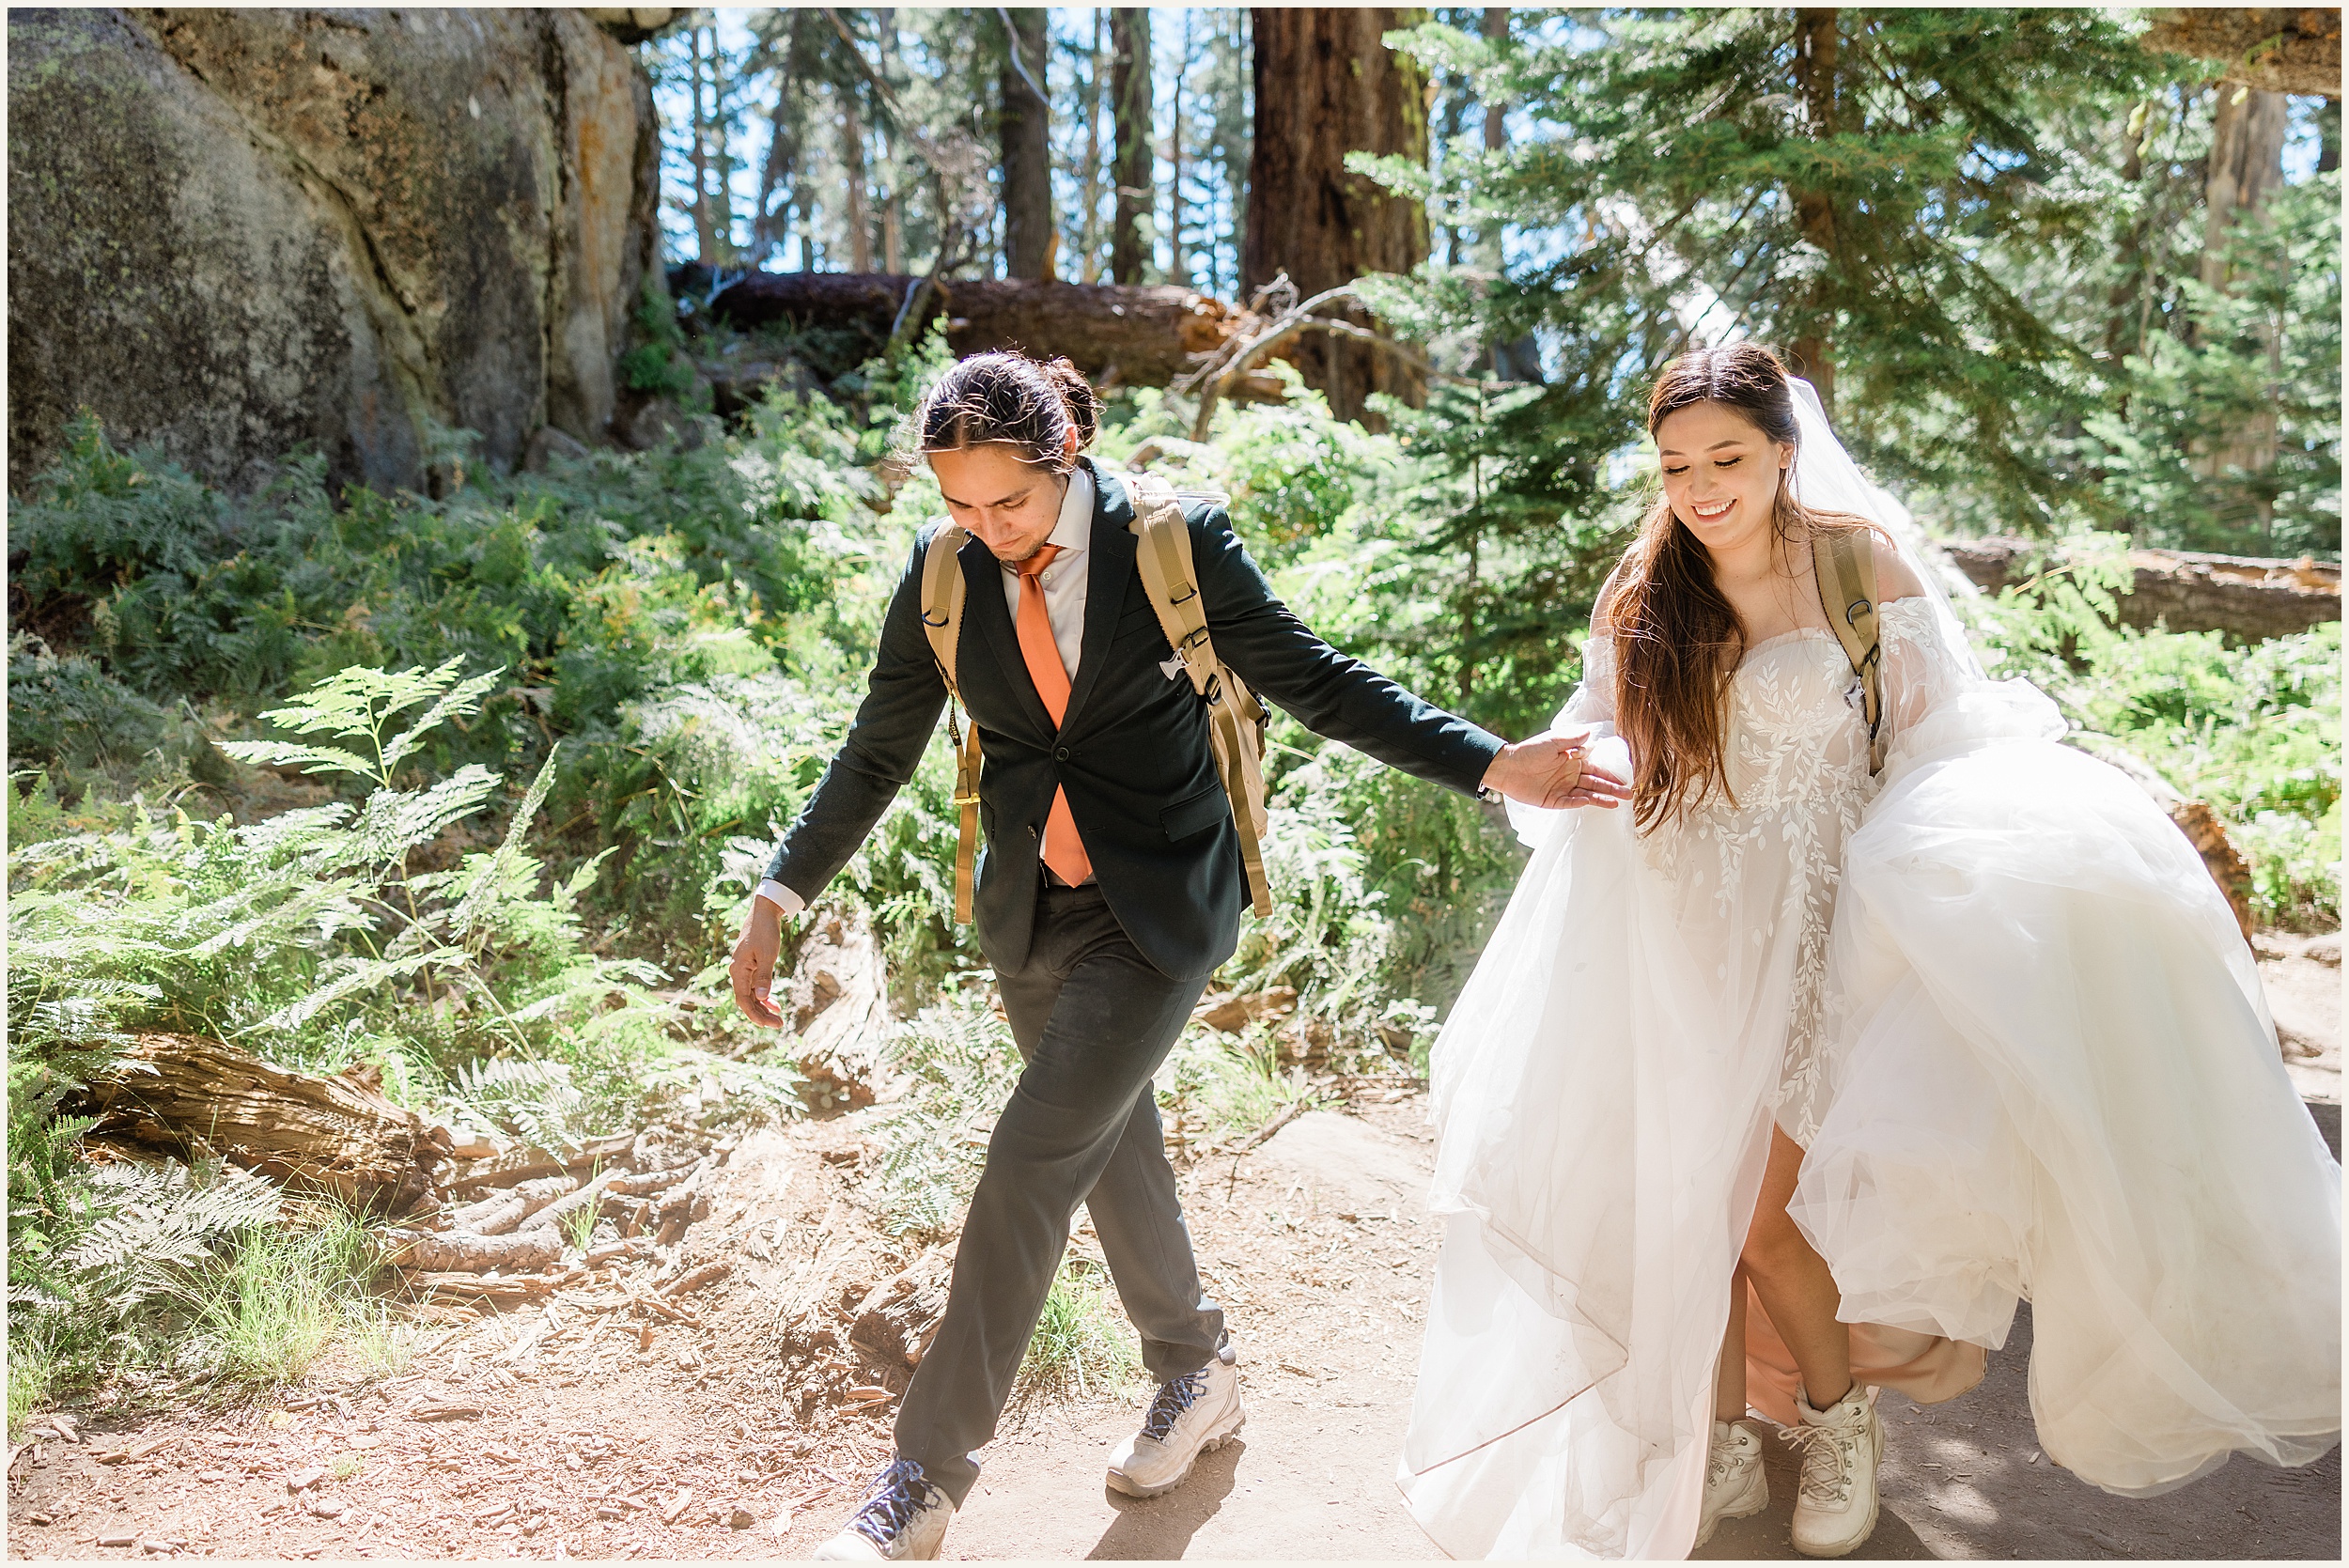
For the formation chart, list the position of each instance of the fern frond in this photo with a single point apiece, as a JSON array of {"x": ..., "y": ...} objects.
[
  {"x": 462, "y": 699},
  {"x": 289, "y": 754}
]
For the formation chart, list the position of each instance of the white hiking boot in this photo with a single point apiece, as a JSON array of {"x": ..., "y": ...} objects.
[
  {"x": 901, "y": 1518},
  {"x": 1835, "y": 1510},
  {"x": 1191, "y": 1415},
  {"x": 1735, "y": 1485}
]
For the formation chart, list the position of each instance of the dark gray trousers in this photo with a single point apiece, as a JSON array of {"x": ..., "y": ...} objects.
[{"x": 1093, "y": 1019}]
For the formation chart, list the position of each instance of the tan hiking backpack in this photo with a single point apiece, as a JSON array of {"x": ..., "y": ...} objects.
[
  {"x": 1845, "y": 566},
  {"x": 1236, "y": 719}
]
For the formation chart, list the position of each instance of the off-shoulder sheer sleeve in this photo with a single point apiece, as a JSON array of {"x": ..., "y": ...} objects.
[
  {"x": 1934, "y": 696},
  {"x": 1591, "y": 704}
]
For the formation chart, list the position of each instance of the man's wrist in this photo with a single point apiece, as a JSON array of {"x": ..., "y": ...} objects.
[{"x": 786, "y": 903}]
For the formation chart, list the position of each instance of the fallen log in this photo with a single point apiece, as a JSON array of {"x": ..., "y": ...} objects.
[
  {"x": 2247, "y": 597},
  {"x": 1119, "y": 335},
  {"x": 193, "y": 1097}
]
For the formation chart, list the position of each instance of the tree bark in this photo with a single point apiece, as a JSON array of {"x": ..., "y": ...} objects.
[
  {"x": 1089, "y": 269},
  {"x": 705, "y": 228},
  {"x": 1326, "y": 85},
  {"x": 852, "y": 166},
  {"x": 1818, "y": 47},
  {"x": 1131, "y": 336},
  {"x": 338, "y": 1135},
  {"x": 1025, "y": 126},
  {"x": 2243, "y": 596},
  {"x": 2246, "y": 166},
  {"x": 1133, "y": 161}
]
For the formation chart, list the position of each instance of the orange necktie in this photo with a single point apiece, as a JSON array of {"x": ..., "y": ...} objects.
[{"x": 1063, "y": 851}]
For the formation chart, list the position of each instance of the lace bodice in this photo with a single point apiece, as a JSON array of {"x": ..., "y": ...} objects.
[{"x": 1755, "y": 868}]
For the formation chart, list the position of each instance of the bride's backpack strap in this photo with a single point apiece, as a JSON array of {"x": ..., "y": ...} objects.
[
  {"x": 942, "y": 620},
  {"x": 1846, "y": 565}
]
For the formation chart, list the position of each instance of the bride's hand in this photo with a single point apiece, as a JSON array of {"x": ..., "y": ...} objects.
[{"x": 1552, "y": 769}]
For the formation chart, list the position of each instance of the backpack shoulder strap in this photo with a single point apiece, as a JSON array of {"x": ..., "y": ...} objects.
[
  {"x": 1236, "y": 719},
  {"x": 943, "y": 592},
  {"x": 1169, "y": 580},
  {"x": 1844, "y": 564}
]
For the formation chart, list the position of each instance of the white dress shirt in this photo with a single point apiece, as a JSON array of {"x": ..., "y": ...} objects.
[{"x": 1063, "y": 606}]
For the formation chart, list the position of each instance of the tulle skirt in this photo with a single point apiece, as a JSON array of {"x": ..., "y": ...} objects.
[{"x": 2050, "y": 1076}]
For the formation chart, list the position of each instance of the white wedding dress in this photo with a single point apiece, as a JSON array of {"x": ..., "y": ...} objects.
[{"x": 1994, "y": 994}]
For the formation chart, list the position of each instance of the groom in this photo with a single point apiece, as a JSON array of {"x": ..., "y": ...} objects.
[{"x": 1109, "y": 890}]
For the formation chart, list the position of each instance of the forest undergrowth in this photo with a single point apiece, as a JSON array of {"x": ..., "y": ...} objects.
[{"x": 470, "y": 789}]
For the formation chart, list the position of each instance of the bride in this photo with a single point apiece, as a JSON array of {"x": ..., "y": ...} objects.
[{"x": 1785, "y": 1084}]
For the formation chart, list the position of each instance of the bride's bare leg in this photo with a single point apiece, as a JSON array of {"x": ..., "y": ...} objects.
[
  {"x": 1729, "y": 1383},
  {"x": 1794, "y": 1283}
]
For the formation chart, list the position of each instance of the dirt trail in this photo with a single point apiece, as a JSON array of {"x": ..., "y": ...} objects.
[{"x": 708, "y": 1439}]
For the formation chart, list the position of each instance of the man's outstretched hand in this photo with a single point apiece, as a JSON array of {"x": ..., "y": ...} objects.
[
  {"x": 1553, "y": 770},
  {"x": 753, "y": 964}
]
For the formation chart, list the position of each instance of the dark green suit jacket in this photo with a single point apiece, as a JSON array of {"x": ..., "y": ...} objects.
[{"x": 1133, "y": 753}]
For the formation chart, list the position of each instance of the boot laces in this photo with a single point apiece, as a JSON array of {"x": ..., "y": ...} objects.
[
  {"x": 1830, "y": 1454},
  {"x": 895, "y": 1496},
  {"x": 1175, "y": 1395}
]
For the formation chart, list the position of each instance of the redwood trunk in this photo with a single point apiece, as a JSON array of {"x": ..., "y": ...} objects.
[
  {"x": 1327, "y": 85},
  {"x": 1025, "y": 123},
  {"x": 1817, "y": 45}
]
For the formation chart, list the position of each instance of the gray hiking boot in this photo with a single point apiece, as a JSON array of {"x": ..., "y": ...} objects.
[
  {"x": 901, "y": 1518},
  {"x": 1191, "y": 1415}
]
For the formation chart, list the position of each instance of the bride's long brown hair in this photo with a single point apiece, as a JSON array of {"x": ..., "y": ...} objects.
[{"x": 1677, "y": 638}]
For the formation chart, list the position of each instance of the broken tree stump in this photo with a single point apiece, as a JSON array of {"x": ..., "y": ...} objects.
[
  {"x": 837, "y": 1003},
  {"x": 193, "y": 1097}
]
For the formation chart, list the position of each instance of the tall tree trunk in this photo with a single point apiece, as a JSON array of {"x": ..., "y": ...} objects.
[
  {"x": 852, "y": 166},
  {"x": 1025, "y": 123},
  {"x": 2124, "y": 302},
  {"x": 2246, "y": 163},
  {"x": 2246, "y": 166},
  {"x": 1818, "y": 47},
  {"x": 1177, "y": 270},
  {"x": 1327, "y": 85},
  {"x": 1496, "y": 131},
  {"x": 704, "y": 228},
  {"x": 1134, "y": 168},
  {"x": 1089, "y": 231},
  {"x": 720, "y": 153}
]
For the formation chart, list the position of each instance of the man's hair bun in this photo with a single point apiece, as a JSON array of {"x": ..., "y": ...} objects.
[{"x": 1007, "y": 397}]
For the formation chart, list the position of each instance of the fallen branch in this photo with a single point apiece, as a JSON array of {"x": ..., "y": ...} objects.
[
  {"x": 463, "y": 1252},
  {"x": 708, "y": 1274}
]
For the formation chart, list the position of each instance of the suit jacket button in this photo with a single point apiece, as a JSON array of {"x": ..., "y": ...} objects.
[{"x": 1060, "y": 754}]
